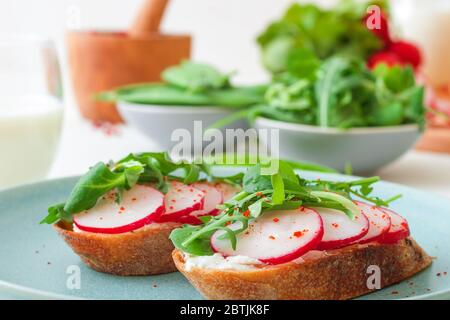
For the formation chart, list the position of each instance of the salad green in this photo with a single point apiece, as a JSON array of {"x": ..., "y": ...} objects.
[
  {"x": 340, "y": 92},
  {"x": 282, "y": 190},
  {"x": 189, "y": 84},
  {"x": 322, "y": 32}
]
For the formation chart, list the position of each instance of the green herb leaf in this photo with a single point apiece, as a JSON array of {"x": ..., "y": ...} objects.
[{"x": 195, "y": 77}]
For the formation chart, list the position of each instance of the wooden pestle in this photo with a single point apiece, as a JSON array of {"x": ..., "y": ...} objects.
[{"x": 148, "y": 18}]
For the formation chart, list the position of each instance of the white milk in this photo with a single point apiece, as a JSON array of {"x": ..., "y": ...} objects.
[
  {"x": 427, "y": 23},
  {"x": 30, "y": 128}
]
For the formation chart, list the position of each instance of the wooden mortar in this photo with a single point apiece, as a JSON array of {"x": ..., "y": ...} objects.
[{"x": 101, "y": 61}]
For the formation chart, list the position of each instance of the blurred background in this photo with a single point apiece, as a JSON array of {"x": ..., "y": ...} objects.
[{"x": 223, "y": 34}]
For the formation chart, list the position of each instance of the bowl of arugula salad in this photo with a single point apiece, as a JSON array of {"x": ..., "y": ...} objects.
[
  {"x": 189, "y": 92},
  {"x": 343, "y": 115},
  {"x": 343, "y": 94}
]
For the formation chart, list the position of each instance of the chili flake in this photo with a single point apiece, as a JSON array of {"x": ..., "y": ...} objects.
[{"x": 298, "y": 234}]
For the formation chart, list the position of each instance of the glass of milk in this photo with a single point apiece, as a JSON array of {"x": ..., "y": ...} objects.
[
  {"x": 427, "y": 24},
  {"x": 30, "y": 108}
]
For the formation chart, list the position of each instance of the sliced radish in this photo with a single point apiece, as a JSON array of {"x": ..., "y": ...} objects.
[
  {"x": 228, "y": 190},
  {"x": 399, "y": 228},
  {"x": 188, "y": 219},
  {"x": 379, "y": 222},
  {"x": 340, "y": 230},
  {"x": 181, "y": 200},
  {"x": 139, "y": 206},
  {"x": 275, "y": 237},
  {"x": 213, "y": 198}
]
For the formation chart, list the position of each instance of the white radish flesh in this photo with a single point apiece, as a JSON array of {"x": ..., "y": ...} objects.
[
  {"x": 399, "y": 228},
  {"x": 213, "y": 198},
  {"x": 339, "y": 229},
  {"x": 379, "y": 222},
  {"x": 181, "y": 200},
  {"x": 139, "y": 206},
  {"x": 275, "y": 237}
]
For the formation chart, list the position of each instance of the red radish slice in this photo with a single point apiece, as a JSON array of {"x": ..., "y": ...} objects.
[
  {"x": 228, "y": 190},
  {"x": 181, "y": 200},
  {"x": 213, "y": 198},
  {"x": 139, "y": 206},
  {"x": 275, "y": 237},
  {"x": 189, "y": 220},
  {"x": 340, "y": 230},
  {"x": 379, "y": 222},
  {"x": 399, "y": 228}
]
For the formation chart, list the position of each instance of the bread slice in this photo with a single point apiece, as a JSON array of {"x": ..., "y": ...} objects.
[
  {"x": 145, "y": 251},
  {"x": 335, "y": 274}
]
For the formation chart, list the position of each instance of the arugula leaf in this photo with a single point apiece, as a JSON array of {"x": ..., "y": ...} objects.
[
  {"x": 200, "y": 247},
  {"x": 94, "y": 184},
  {"x": 55, "y": 213}
]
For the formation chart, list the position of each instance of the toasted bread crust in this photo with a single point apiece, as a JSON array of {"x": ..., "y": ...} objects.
[
  {"x": 339, "y": 274},
  {"x": 146, "y": 251}
]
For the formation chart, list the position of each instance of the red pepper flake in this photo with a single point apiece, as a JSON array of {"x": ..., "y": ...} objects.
[
  {"x": 276, "y": 219},
  {"x": 445, "y": 273},
  {"x": 271, "y": 237},
  {"x": 227, "y": 223},
  {"x": 246, "y": 213},
  {"x": 173, "y": 200},
  {"x": 122, "y": 209},
  {"x": 298, "y": 234},
  {"x": 133, "y": 199},
  {"x": 302, "y": 208},
  {"x": 438, "y": 274},
  {"x": 394, "y": 292},
  {"x": 335, "y": 225},
  {"x": 259, "y": 193},
  {"x": 191, "y": 190}
]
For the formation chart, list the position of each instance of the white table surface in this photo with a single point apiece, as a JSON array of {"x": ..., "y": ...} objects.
[{"x": 82, "y": 145}]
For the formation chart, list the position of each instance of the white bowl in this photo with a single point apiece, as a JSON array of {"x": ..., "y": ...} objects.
[
  {"x": 158, "y": 122},
  {"x": 365, "y": 149}
]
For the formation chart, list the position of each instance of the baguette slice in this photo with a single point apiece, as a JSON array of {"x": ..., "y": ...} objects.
[
  {"x": 145, "y": 251},
  {"x": 332, "y": 275}
]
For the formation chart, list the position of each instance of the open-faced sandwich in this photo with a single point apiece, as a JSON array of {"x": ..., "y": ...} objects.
[
  {"x": 284, "y": 237},
  {"x": 119, "y": 216}
]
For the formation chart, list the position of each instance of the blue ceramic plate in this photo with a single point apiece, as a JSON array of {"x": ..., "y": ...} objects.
[{"x": 34, "y": 262}]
